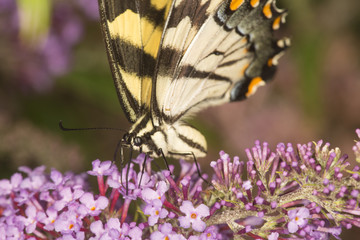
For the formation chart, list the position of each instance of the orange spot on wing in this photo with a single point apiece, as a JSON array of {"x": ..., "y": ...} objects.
[
  {"x": 253, "y": 86},
  {"x": 235, "y": 4},
  {"x": 270, "y": 62},
  {"x": 254, "y": 3},
  {"x": 276, "y": 23},
  {"x": 267, "y": 10}
]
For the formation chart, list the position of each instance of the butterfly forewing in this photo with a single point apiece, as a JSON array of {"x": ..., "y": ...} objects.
[{"x": 132, "y": 31}]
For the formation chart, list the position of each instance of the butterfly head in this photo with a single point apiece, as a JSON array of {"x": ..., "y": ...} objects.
[
  {"x": 175, "y": 140},
  {"x": 132, "y": 140}
]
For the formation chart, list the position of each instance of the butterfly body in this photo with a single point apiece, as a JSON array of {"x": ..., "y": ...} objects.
[
  {"x": 173, "y": 58},
  {"x": 177, "y": 140}
]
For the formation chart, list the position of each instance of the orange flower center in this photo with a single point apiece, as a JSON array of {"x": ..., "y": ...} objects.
[
  {"x": 193, "y": 215},
  {"x": 92, "y": 209},
  {"x": 156, "y": 212},
  {"x": 71, "y": 226}
]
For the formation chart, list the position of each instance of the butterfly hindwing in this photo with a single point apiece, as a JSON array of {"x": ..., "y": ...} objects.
[
  {"x": 132, "y": 31},
  {"x": 223, "y": 58},
  {"x": 184, "y": 21}
]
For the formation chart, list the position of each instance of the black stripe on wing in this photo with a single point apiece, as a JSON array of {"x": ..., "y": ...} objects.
[
  {"x": 114, "y": 8},
  {"x": 128, "y": 58}
]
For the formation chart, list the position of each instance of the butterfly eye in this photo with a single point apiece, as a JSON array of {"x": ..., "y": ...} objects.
[{"x": 137, "y": 141}]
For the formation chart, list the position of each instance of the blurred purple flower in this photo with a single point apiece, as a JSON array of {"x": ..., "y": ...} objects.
[
  {"x": 39, "y": 63},
  {"x": 90, "y": 7}
]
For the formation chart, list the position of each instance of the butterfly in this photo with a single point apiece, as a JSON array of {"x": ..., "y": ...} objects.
[{"x": 171, "y": 58}]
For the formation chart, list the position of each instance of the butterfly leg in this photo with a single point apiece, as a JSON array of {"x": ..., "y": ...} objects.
[
  {"x": 160, "y": 152},
  {"x": 128, "y": 170},
  {"x": 143, "y": 169},
  {"x": 198, "y": 169},
  {"x": 196, "y": 164}
]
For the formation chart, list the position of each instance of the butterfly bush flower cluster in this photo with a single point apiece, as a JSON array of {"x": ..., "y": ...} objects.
[{"x": 305, "y": 191}]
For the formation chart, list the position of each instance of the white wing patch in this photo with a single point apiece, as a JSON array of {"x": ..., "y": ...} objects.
[
  {"x": 175, "y": 37},
  {"x": 185, "y": 93}
]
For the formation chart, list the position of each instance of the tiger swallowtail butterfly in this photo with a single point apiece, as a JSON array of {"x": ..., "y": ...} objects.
[{"x": 172, "y": 58}]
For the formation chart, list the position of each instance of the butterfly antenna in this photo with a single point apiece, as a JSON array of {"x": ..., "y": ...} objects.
[{"x": 90, "y": 128}]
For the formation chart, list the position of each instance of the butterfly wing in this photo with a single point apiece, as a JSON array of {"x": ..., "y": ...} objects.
[
  {"x": 222, "y": 51},
  {"x": 132, "y": 32}
]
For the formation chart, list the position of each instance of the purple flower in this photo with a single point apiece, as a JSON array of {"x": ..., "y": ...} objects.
[
  {"x": 5, "y": 187},
  {"x": 36, "y": 178},
  {"x": 74, "y": 236},
  {"x": 273, "y": 236},
  {"x": 165, "y": 232},
  {"x": 149, "y": 194},
  {"x": 131, "y": 186},
  {"x": 135, "y": 233},
  {"x": 247, "y": 185},
  {"x": 298, "y": 219},
  {"x": 48, "y": 218},
  {"x": 139, "y": 160},
  {"x": 68, "y": 196},
  {"x": 155, "y": 210},
  {"x": 30, "y": 221},
  {"x": 114, "y": 230},
  {"x": 193, "y": 216},
  {"x": 67, "y": 222},
  {"x": 94, "y": 207},
  {"x": 101, "y": 168},
  {"x": 57, "y": 177},
  {"x": 211, "y": 233},
  {"x": 98, "y": 229},
  {"x": 36, "y": 204}
]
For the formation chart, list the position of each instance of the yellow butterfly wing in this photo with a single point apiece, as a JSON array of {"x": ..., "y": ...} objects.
[{"x": 132, "y": 31}]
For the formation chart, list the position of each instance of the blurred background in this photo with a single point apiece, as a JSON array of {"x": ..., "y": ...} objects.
[{"x": 53, "y": 66}]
